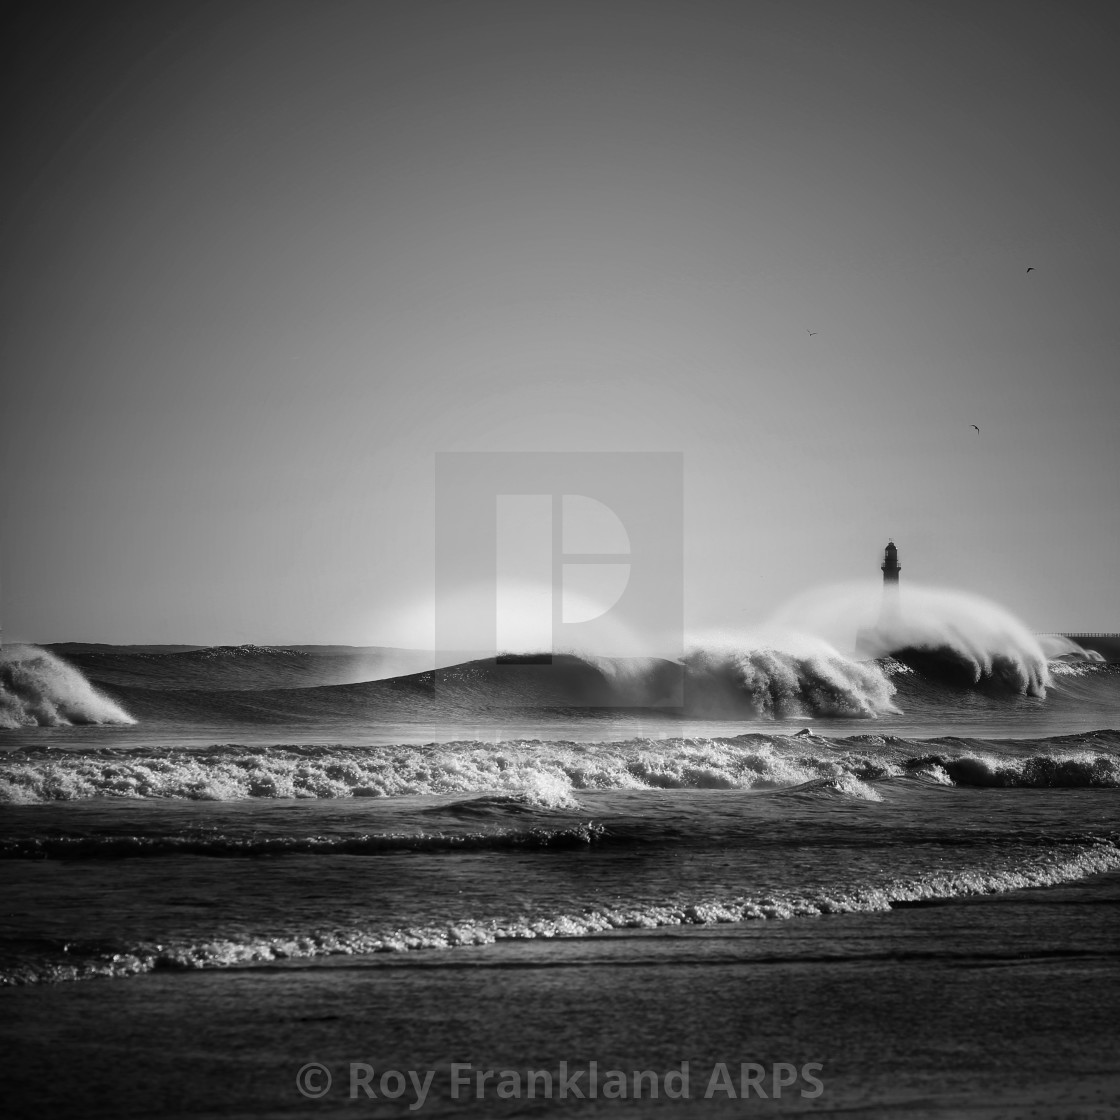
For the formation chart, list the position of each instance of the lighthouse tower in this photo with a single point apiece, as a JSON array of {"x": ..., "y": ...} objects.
[
  {"x": 880, "y": 638},
  {"x": 890, "y": 565},
  {"x": 890, "y": 613}
]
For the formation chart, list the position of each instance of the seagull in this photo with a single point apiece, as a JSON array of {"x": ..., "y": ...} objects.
[
  {"x": 1031, "y": 269},
  {"x": 977, "y": 427}
]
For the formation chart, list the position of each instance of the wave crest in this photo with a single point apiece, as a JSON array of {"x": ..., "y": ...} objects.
[
  {"x": 548, "y": 775},
  {"x": 955, "y": 636},
  {"x": 1080, "y": 770},
  {"x": 39, "y": 690},
  {"x": 63, "y": 961},
  {"x": 784, "y": 678}
]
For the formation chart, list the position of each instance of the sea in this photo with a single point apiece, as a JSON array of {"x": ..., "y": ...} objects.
[
  {"x": 232, "y": 809},
  {"x": 216, "y": 807}
]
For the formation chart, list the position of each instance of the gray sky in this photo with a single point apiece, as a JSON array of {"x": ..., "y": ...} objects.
[{"x": 263, "y": 259}]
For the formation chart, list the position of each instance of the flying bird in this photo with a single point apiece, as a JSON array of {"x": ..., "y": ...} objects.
[
  {"x": 977, "y": 427},
  {"x": 1031, "y": 269},
  {"x": 811, "y": 333}
]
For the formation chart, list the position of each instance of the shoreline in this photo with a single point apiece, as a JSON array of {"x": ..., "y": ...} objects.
[{"x": 971, "y": 1007}]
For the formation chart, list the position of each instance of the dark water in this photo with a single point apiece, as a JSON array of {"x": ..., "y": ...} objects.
[{"x": 262, "y": 822}]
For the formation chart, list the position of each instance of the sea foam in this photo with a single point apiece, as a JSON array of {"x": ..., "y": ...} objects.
[
  {"x": 549, "y": 775},
  {"x": 782, "y": 675},
  {"x": 37, "y": 689},
  {"x": 974, "y": 640},
  {"x": 1048, "y": 867}
]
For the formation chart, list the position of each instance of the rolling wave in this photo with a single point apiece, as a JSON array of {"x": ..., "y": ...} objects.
[
  {"x": 953, "y": 636},
  {"x": 806, "y": 678},
  {"x": 551, "y": 774},
  {"x": 810, "y": 679},
  {"x": 790, "y": 678},
  {"x": 238, "y": 668},
  {"x": 1082, "y": 769},
  {"x": 39, "y": 690},
  {"x": 237, "y": 846},
  {"x": 47, "y": 960},
  {"x": 544, "y": 774},
  {"x": 715, "y": 683}
]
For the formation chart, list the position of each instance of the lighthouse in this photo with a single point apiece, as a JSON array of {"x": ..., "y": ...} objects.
[
  {"x": 890, "y": 567},
  {"x": 880, "y": 638}
]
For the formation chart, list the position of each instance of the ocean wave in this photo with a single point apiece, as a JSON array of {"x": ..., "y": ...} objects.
[
  {"x": 39, "y": 690},
  {"x": 954, "y": 636},
  {"x": 543, "y": 774},
  {"x": 52, "y": 961},
  {"x": 245, "y": 668},
  {"x": 787, "y": 677},
  {"x": 1062, "y": 650},
  {"x": 549, "y": 774},
  {"x": 221, "y": 845},
  {"x": 778, "y": 677},
  {"x": 1073, "y": 771},
  {"x": 1082, "y": 668},
  {"x": 781, "y": 676}
]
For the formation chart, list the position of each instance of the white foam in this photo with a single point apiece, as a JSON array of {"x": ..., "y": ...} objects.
[
  {"x": 981, "y": 633},
  {"x": 542, "y": 774},
  {"x": 38, "y": 689},
  {"x": 782, "y": 673},
  {"x": 1072, "y": 770},
  {"x": 1046, "y": 868}
]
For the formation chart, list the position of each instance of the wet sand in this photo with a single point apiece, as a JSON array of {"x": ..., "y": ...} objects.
[{"x": 1000, "y": 1006}]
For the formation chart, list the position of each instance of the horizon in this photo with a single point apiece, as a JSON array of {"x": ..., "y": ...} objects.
[
  {"x": 691, "y": 639},
  {"x": 191, "y": 646}
]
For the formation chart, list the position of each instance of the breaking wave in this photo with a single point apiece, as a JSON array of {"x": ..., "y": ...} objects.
[
  {"x": 545, "y": 774},
  {"x": 364, "y": 844},
  {"x": 785, "y": 677},
  {"x": 39, "y": 690},
  {"x": 956, "y": 636},
  {"x": 1080, "y": 770},
  {"x": 74, "y": 960},
  {"x": 540, "y": 774}
]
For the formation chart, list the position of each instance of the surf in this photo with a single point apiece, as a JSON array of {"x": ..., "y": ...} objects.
[
  {"x": 38, "y": 689},
  {"x": 555, "y": 774},
  {"x": 956, "y": 637}
]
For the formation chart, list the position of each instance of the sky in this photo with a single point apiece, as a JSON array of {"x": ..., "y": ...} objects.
[{"x": 264, "y": 260}]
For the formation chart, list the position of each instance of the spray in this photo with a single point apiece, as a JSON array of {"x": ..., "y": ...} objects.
[
  {"x": 38, "y": 689},
  {"x": 958, "y": 637}
]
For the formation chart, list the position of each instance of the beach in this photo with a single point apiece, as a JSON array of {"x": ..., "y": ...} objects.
[{"x": 997, "y": 1006}]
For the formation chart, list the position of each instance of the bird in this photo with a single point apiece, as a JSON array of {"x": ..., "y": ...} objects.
[
  {"x": 811, "y": 333},
  {"x": 1031, "y": 269},
  {"x": 977, "y": 427}
]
